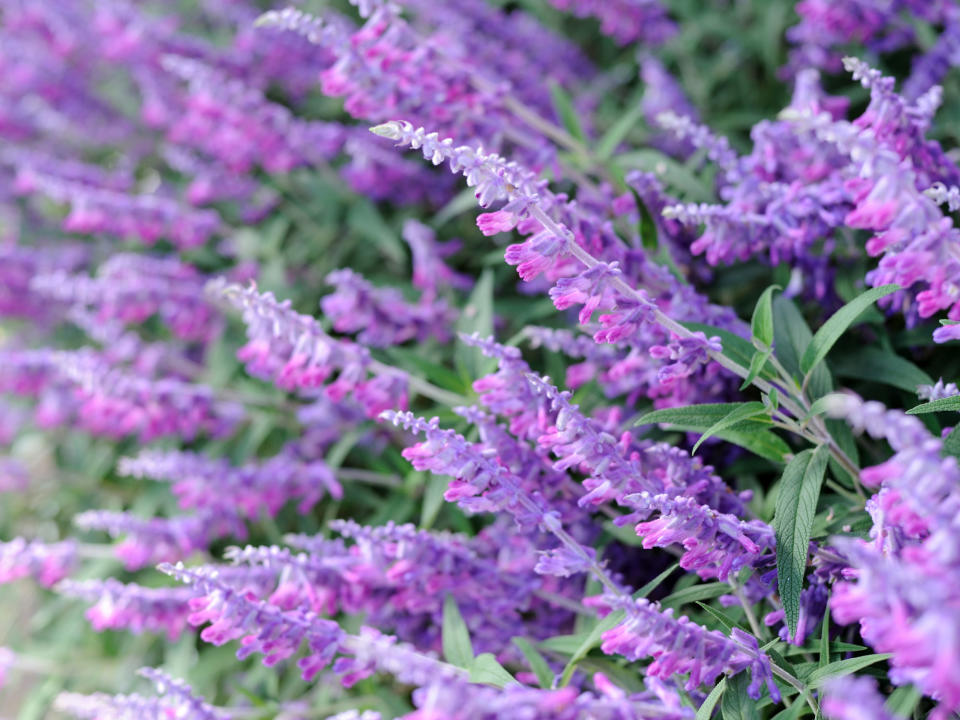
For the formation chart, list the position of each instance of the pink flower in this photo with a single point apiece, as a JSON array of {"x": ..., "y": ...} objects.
[{"x": 496, "y": 222}]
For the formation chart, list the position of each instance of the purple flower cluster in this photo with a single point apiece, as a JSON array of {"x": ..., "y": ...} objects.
[
  {"x": 899, "y": 589},
  {"x": 161, "y": 164}
]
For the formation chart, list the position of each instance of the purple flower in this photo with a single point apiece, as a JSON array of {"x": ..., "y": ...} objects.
[
  {"x": 430, "y": 273},
  {"x": 46, "y": 563},
  {"x": 937, "y": 391},
  {"x": 626, "y": 21},
  {"x": 380, "y": 316},
  {"x": 115, "y": 403},
  {"x": 680, "y": 646},
  {"x": 899, "y": 588},
  {"x": 147, "y": 218},
  {"x": 154, "y": 540},
  {"x": 854, "y": 698},
  {"x": 277, "y": 635},
  {"x": 177, "y": 700},
  {"x": 131, "y": 607},
  {"x": 131, "y": 288},
  {"x": 293, "y": 350},
  {"x": 715, "y": 544},
  {"x": 203, "y": 483}
]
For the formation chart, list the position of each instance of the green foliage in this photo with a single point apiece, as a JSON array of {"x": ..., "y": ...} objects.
[
  {"x": 457, "y": 648},
  {"x": 836, "y": 325},
  {"x": 799, "y": 491},
  {"x": 735, "y": 704}
]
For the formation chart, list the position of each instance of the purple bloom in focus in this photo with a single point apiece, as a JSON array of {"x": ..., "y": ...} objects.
[{"x": 679, "y": 645}]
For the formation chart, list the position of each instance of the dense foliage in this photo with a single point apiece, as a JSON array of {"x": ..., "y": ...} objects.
[{"x": 285, "y": 437}]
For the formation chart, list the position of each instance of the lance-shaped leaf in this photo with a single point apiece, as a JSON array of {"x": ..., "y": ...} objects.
[
  {"x": 837, "y": 324},
  {"x": 796, "y": 506}
]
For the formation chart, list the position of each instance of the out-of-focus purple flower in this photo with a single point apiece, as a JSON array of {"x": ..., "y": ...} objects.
[
  {"x": 177, "y": 700},
  {"x": 827, "y": 26},
  {"x": 426, "y": 79},
  {"x": 200, "y": 482},
  {"x": 662, "y": 93},
  {"x": 937, "y": 391},
  {"x": 115, "y": 403},
  {"x": 146, "y": 218},
  {"x": 278, "y": 634},
  {"x": 154, "y": 540},
  {"x": 237, "y": 125},
  {"x": 397, "y": 576},
  {"x": 46, "y": 563},
  {"x": 850, "y": 697},
  {"x": 376, "y": 172},
  {"x": 13, "y": 475},
  {"x": 131, "y": 288},
  {"x": 20, "y": 264},
  {"x": 436, "y": 701},
  {"x": 131, "y": 607},
  {"x": 380, "y": 316},
  {"x": 626, "y": 21},
  {"x": 430, "y": 273},
  {"x": 900, "y": 588}
]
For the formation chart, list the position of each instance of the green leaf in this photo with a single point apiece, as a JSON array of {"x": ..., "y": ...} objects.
[
  {"x": 710, "y": 702},
  {"x": 790, "y": 336},
  {"x": 365, "y": 219},
  {"x": 434, "y": 488},
  {"x": 566, "y": 111},
  {"x": 951, "y": 444},
  {"x": 655, "y": 583},
  {"x": 735, "y": 703},
  {"x": 751, "y": 436},
  {"x": 707, "y": 591},
  {"x": 476, "y": 317},
  {"x": 757, "y": 363},
  {"x": 744, "y": 411},
  {"x": 607, "y": 145},
  {"x": 842, "y": 667},
  {"x": 485, "y": 670},
  {"x": 590, "y": 642},
  {"x": 904, "y": 700},
  {"x": 792, "y": 712},
  {"x": 703, "y": 416},
  {"x": 941, "y": 405},
  {"x": 761, "y": 324},
  {"x": 796, "y": 505},
  {"x": 536, "y": 661},
  {"x": 457, "y": 648},
  {"x": 564, "y": 644},
  {"x": 722, "y": 618},
  {"x": 837, "y": 324},
  {"x": 883, "y": 367},
  {"x": 464, "y": 200},
  {"x": 824, "y": 659}
]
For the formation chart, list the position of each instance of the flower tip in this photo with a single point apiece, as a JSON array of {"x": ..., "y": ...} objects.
[
  {"x": 266, "y": 19},
  {"x": 387, "y": 130}
]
